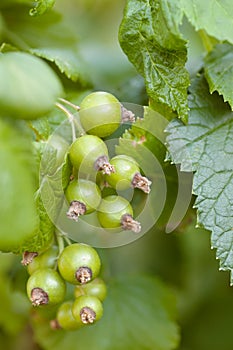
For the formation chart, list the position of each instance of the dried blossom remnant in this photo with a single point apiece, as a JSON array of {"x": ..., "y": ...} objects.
[
  {"x": 141, "y": 182},
  {"x": 87, "y": 315},
  {"x": 129, "y": 224},
  {"x": 102, "y": 164},
  {"x": 39, "y": 297},
  {"x": 83, "y": 274},
  {"x": 127, "y": 116},
  {"x": 28, "y": 257},
  {"x": 76, "y": 209}
]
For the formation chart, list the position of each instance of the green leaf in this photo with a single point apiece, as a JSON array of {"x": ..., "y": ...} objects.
[
  {"x": 47, "y": 36},
  {"x": 53, "y": 170},
  {"x": 214, "y": 16},
  {"x": 145, "y": 142},
  {"x": 205, "y": 147},
  {"x": 219, "y": 71},
  {"x": 149, "y": 35},
  {"x": 41, "y": 6},
  {"x": 43, "y": 235},
  {"x": 37, "y": 86},
  {"x": 139, "y": 314},
  {"x": 67, "y": 60},
  {"x": 17, "y": 209}
]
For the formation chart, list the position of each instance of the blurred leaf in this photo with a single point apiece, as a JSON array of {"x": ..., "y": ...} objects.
[
  {"x": 139, "y": 314},
  {"x": 38, "y": 86},
  {"x": 214, "y": 16},
  {"x": 47, "y": 36},
  {"x": 17, "y": 209},
  {"x": 150, "y": 36},
  {"x": 219, "y": 71},
  {"x": 204, "y": 145},
  {"x": 14, "y": 308}
]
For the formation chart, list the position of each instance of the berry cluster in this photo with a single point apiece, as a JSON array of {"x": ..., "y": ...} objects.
[
  {"x": 78, "y": 264},
  {"x": 100, "y": 115},
  {"x": 92, "y": 171}
]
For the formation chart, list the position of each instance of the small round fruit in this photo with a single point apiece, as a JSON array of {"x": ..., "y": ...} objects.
[
  {"x": 96, "y": 288},
  {"x": 87, "y": 309},
  {"x": 127, "y": 174},
  {"x": 89, "y": 153},
  {"x": 79, "y": 263},
  {"x": 46, "y": 287},
  {"x": 100, "y": 113},
  {"x": 65, "y": 318},
  {"x": 115, "y": 211},
  {"x": 38, "y": 87},
  {"x": 46, "y": 259},
  {"x": 84, "y": 197}
]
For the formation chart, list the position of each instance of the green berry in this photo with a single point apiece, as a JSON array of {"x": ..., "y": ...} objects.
[
  {"x": 79, "y": 263},
  {"x": 89, "y": 153},
  {"x": 46, "y": 259},
  {"x": 127, "y": 174},
  {"x": 96, "y": 288},
  {"x": 45, "y": 286},
  {"x": 83, "y": 196},
  {"x": 100, "y": 113},
  {"x": 65, "y": 318},
  {"x": 115, "y": 211},
  {"x": 38, "y": 87},
  {"x": 87, "y": 309}
]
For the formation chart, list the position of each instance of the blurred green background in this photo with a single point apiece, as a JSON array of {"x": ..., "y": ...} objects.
[{"x": 182, "y": 259}]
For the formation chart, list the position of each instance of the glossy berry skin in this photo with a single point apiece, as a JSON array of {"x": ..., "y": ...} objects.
[
  {"x": 96, "y": 288},
  {"x": 79, "y": 263},
  {"x": 111, "y": 210},
  {"x": 85, "y": 151},
  {"x": 65, "y": 317},
  {"x": 125, "y": 169},
  {"x": 46, "y": 259},
  {"x": 84, "y": 191},
  {"x": 87, "y": 309},
  {"x": 100, "y": 113},
  {"x": 46, "y": 287}
]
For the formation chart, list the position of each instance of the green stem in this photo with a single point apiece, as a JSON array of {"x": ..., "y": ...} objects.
[
  {"x": 70, "y": 117},
  {"x": 60, "y": 241},
  {"x": 77, "y": 108},
  {"x": 68, "y": 241},
  {"x": 73, "y": 122}
]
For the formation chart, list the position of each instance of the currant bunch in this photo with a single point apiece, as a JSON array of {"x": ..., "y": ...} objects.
[
  {"x": 100, "y": 115},
  {"x": 50, "y": 271},
  {"x": 93, "y": 171}
]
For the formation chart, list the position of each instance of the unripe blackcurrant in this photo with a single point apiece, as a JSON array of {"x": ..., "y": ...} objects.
[
  {"x": 65, "y": 318},
  {"x": 45, "y": 286},
  {"x": 96, "y": 288},
  {"x": 79, "y": 263},
  {"x": 83, "y": 196},
  {"x": 87, "y": 309},
  {"x": 127, "y": 174},
  {"x": 115, "y": 211},
  {"x": 89, "y": 153},
  {"x": 100, "y": 113},
  {"x": 47, "y": 259}
]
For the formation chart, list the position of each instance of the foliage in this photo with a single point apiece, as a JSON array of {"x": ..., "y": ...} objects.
[{"x": 52, "y": 54}]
